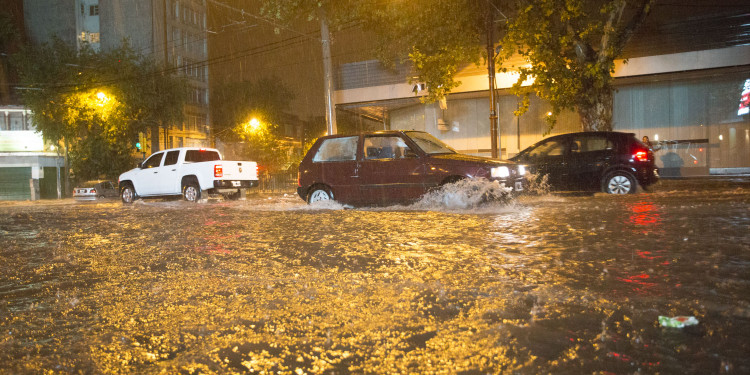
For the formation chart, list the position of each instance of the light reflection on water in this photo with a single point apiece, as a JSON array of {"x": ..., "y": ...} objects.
[{"x": 567, "y": 284}]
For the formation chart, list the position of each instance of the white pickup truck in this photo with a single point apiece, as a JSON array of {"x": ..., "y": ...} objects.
[{"x": 190, "y": 172}]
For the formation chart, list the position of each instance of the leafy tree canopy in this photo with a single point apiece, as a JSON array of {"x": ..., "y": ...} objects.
[
  {"x": 569, "y": 47},
  {"x": 337, "y": 12},
  {"x": 437, "y": 36},
  {"x": 237, "y": 103},
  {"x": 96, "y": 103},
  {"x": 251, "y": 113}
]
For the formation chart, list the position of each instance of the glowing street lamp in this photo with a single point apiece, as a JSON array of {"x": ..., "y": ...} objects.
[
  {"x": 254, "y": 124},
  {"x": 103, "y": 99}
]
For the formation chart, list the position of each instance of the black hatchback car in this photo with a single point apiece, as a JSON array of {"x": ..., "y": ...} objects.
[{"x": 612, "y": 162}]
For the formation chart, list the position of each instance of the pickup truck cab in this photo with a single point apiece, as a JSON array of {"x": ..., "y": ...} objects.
[{"x": 190, "y": 172}]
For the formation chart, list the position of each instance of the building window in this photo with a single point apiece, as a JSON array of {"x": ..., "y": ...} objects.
[
  {"x": 83, "y": 10},
  {"x": 94, "y": 10},
  {"x": 94, "y": 37},
  {"x": 16, "y": 121}
]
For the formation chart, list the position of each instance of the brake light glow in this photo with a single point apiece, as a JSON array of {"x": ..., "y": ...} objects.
[
  {"x": 640, "y": 155},
  {"x": 218, "y": 170},
  {"x": 93, "y": 191}
]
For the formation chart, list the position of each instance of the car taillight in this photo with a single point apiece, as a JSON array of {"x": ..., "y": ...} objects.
[
  {"x": 93, "y": 191},
  {"x": 218, "y": 170},
  {"x": 641, "y": 155},
  {"x": 298, "y": 182}
]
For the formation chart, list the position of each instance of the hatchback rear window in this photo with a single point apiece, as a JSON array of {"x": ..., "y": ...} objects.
[
  {"x": 195, "y": 156},
  {"x": 337, "y": 149}
]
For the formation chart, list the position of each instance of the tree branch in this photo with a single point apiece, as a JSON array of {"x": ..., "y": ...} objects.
[{"x": 626, "y": 32}]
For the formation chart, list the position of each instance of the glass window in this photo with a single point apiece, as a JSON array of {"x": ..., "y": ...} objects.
[
  {"x": 430, "y": 144},
  {"x": 94, "y": 10},
  {"x": 597, "y": 144},
  {"x": 171, "y": 158},
  {"x": 385, "y": 147},
  {"x": 590, "y": 144},
  {"x": 16, "y": 121},
  {"x": 337, "y": 149},
  {"x": 154, "y": 161},
  {"x": 548, "y": 148},
  {"x": 196, "y": 156}
]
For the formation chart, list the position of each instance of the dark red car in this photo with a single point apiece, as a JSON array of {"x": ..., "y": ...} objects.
[{"x": 391, "y": 167}]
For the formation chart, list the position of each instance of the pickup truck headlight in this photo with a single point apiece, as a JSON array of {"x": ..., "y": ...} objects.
[
  {"x": 521, "y": 170},
  {"x": 500, "y": 172}
]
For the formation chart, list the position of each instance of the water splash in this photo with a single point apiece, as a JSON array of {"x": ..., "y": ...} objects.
[
  {"x": 538, "y": 184},
  {"x": 464, "y": 194}
]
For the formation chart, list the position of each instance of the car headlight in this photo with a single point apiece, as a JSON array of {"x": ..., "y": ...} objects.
[
  {"x": 521, "y": 170},
  {"x": 500, "y": 172}
]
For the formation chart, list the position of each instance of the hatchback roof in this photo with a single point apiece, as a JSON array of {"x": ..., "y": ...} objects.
[{"x": 377, "y": 132}]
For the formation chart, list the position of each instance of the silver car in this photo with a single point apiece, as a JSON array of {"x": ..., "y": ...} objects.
[{"x": 93, "y": 190}]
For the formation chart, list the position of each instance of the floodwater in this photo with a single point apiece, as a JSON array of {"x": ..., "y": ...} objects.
[{"x": 545, "y": 284}]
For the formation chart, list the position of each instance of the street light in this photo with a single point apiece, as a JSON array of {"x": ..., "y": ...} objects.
[
  {"x": 103, "y": 99},
  {"x": 254, "y": 124}
]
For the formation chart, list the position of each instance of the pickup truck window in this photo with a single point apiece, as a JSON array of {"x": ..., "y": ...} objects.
[
  {"x": 195, "y": 156},
  {"x": 172, "y": 157},
  {"x": 154, "y": 161}
]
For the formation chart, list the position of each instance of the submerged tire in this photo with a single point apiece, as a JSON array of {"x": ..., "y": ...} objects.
[
  {"x": 127, "y": 194},
  {"x": 620, "y": 182},
  {"x": 319, "y": 193},
  {"x": 191, "y": 192}
]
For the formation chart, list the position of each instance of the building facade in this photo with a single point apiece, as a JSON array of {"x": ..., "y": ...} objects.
[
  {"x": 29, "y": 169},
  {"x": 172, "y": 32}
]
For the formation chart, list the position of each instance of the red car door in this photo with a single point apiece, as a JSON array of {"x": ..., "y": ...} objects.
[
  {"x": 336, "y": 164},
  {"x": 389, "y": 171}
]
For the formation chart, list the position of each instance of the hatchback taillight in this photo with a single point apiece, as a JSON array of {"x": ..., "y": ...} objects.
[
  {"x": 93, "y": 191},
  {"x": 218, "y": 170},
  {"x": 641, "y": 155}
]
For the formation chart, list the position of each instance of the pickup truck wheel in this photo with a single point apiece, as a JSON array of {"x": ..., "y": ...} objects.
[
  {"x": 319, "y": 193},
  {"x": 191, "y": 192},
  {"x": 127, "y": 193}
]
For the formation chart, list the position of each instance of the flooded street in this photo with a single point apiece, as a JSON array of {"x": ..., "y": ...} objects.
[{"x": 550, "y": 283}]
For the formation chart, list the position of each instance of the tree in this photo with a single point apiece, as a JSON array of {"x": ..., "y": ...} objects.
[
  {"x": 436, "y": 36},
  {"x": 251, "y": 112},
  {"x": 571, "y": 46},
  {"x": 94, "y": 104}
]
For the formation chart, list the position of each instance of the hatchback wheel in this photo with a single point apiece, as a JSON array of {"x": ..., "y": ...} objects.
[
  {"x": 620, "y": 183},
  {"x": 319, "y": 193}
]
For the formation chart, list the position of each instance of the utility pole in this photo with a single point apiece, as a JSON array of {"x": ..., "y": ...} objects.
[
  {"x": 493, "y": 99},
  {"x": 325, "y": 37}
]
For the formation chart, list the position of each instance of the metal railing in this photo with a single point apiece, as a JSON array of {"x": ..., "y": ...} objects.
[{"x": 280, "y": 182}]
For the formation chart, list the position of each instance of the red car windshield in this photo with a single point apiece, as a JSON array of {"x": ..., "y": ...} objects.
[{"x": 429, "y": 144}]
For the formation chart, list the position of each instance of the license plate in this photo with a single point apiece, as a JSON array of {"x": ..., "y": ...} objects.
[
  {"x": 236, "y": 183},
  {"x": 519, "y": 186}
]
